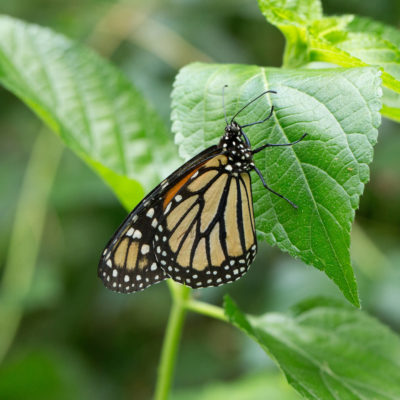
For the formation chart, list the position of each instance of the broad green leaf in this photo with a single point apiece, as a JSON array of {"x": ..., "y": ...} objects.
[
  {"x": 285, "y": 12},
  {"x": 328, "y": 350},
  {"x": 386, "y": 32},
  {"x": 263, "y": 385},
  {"x": 347, "y": 41},
  {"x": 92, "y": 107},
  {"x": 379, "y": 45},
  {"x": 324, "y": 174}
]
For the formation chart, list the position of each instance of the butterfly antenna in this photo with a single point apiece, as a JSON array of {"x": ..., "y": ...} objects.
[
  {"x": 252, "y": 101},
  {"x": 223, "y": 102}
]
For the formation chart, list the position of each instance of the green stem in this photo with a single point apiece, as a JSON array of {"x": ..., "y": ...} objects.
[
  {"x": 181, "y": 302},
  {"x": 26, "y": 234},
  {"x": 206, "y": 309},
  {"x": 180, "y": 295}
]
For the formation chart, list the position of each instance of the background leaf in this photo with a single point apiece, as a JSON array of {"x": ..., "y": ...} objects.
[
  {"x": 380, "y": 46},
  {"x": 89, "y": 104},
  {"x": 324, "y": 174},
  {"x": 328, "y": 350},
  {"x": 346, "y": 40}
]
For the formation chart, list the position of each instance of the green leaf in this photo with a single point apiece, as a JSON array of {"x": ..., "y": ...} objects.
[
  {"x": 85, "y": 100},
  {"x": 324, "y": 174},
  {"x": 263, "y": 385},
  {"x": 290, "y": 12},
  {"x": 346, "y": 40},
  {"x": 328, "y": 350},
  {"x": 376, "y": 43}
]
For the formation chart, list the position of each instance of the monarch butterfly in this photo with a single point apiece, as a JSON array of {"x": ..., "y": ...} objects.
[{"x": 197, "y": 226}]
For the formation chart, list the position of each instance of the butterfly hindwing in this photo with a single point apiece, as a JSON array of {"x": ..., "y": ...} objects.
[{"x": 207, "y": 235}]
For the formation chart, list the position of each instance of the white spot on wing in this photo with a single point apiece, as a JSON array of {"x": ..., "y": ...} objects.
[
  {"x": 167, "y": 209},
  {"x": 145, "y": 249},
  {"x": 137, "y": 234}
]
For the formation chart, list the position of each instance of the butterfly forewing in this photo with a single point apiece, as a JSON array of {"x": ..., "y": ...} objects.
[
  {"x": 128, "y": 262},
  {"x": 207, "y": 235}
]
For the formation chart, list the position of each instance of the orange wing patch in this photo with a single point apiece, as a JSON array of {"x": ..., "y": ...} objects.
[
  {"x": 213, "y": 162},
  {"x": 175, "y": 189}
]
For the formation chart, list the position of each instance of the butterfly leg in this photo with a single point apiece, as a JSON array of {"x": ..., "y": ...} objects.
[
  {"x": 277, "y": 144},
  {"x": 271, "y": 190}
]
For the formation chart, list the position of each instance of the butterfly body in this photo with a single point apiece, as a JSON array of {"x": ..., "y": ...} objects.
[
  {"x": 196, "y": 227},
  {"x": 240, "y": 157}
]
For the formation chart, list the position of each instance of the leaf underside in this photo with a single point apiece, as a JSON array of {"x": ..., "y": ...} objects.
[
  {"x": 328, "y": 350},
  {"x": 324, "y": 174},
  {"x": 89, "y": 103}
]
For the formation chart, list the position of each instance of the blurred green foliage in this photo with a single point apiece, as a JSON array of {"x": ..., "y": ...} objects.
[{"x": 77, "y": 340}]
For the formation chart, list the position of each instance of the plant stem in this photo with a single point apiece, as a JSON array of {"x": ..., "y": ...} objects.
[
  {"x": 180, "y": 295},
  {"x": 206, "y": 309},
  {"x": 181, "y": 302}
]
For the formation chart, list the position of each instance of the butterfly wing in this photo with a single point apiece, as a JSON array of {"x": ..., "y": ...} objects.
[
  {"x": 207, "y": 235},
  {"x": 128, "y": 263}
]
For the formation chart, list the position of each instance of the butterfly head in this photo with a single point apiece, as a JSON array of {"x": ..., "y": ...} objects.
[{"x": 233, "y": 129}]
